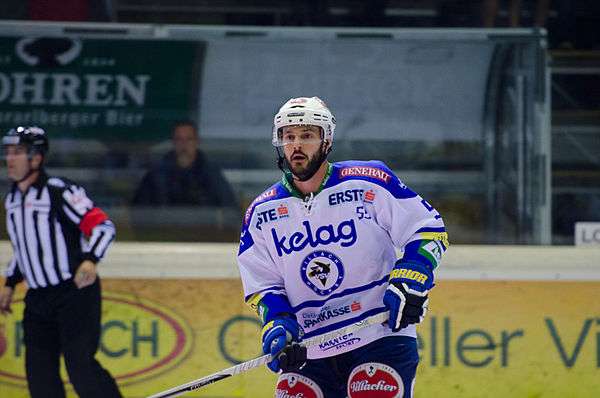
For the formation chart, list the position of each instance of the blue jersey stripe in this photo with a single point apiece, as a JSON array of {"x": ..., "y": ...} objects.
[
  {"x": 273, "y": 288},
  {"x": 246, "y": 241},
  {"x": 347, "y": 322},
  {"x": 432, "y": 229},
  {"x": 320, "y": 303}
]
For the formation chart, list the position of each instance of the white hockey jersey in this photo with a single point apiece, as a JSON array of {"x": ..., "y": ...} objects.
[{"x": 331, "y": 254}]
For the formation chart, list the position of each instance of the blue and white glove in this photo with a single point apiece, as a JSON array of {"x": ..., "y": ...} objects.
[
  {"x": 407, "y": 294},
  {"x": 280, "y": 338}
]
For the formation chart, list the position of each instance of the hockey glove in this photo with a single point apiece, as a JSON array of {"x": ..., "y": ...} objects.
[
  {"x": 280, "y": 338},
  {"x": 407, "y": 294}
]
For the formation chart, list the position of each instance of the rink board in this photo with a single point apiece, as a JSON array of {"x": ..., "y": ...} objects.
[{"x": 534, "y": 336}]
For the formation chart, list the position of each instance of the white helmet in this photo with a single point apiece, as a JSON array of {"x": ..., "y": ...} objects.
[{"x": 304, "y": 111}]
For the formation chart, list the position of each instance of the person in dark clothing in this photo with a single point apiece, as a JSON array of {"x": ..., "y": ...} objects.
[
  {"x": 58, "y": 236},
  {"x": 184, "y": 177}
]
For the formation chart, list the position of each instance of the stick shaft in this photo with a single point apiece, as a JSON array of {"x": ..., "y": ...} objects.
[{"x": 256, "y": 362}]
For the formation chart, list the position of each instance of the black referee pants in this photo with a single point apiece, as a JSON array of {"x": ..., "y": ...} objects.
[{"x": 65, "y": 320}]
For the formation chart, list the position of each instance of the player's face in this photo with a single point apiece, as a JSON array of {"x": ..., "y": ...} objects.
[
  {"x": 17, "y": 162},
  {"x": 302, "y": 148}
]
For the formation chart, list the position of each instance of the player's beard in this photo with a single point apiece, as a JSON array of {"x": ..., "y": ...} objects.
[{"x": 304, "y": 173}]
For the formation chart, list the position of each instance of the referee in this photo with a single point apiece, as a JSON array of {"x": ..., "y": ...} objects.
[{"x": 58, "y": 236}]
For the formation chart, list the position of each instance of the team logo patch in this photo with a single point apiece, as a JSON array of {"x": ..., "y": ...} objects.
[
  {"x": 77, "y": 199},
  {"x": 292, "y": 385},
  {"x": 322, "y": 272},
  {"x": 375, "y": 380},
  {"x": 432, "y": 251}
]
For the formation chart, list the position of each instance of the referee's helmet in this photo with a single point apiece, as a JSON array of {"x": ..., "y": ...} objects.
[{"x": 32, "y": 137}]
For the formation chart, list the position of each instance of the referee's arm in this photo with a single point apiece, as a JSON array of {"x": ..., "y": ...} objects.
[
  {"x": 95, "y": 226},
  {"x": 13, "y": 276},
  {"x": 13, "y": 273}
]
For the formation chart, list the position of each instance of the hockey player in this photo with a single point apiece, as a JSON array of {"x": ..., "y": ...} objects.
[{"x": 317, "y": 252}]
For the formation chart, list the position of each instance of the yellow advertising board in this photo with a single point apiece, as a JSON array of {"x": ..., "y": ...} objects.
[{"x": 481, "y": 339}]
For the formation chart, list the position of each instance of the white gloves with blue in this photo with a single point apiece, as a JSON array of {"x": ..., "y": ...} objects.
[{"x": 407, "y": 294}]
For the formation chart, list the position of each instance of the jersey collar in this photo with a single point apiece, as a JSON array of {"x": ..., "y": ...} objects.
[
  {"x": 38, "y": 184},
  {"x": 286, "y": 181}
]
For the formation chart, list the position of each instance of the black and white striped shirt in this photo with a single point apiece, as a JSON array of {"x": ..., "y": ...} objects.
[{"x": 53, "y": 227}]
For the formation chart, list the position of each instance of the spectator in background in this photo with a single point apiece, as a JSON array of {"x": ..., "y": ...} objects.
[{"x": 184, "y": 177}]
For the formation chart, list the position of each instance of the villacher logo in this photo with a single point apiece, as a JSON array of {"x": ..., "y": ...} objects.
[
  {"x": 292, "y": 385},
  {"x": 370, "y": 377}
]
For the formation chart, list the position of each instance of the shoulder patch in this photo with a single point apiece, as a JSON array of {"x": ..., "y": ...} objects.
[
  {"x": 56, "y": 182},
  {"x": 373, "y": 171},
  {"x": 260, "y": 198},
  {"x": 365, "y": 171},
  {"x": 76, "y": 197}
]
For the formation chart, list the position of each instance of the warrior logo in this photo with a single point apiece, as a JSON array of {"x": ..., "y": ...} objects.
[
  {"x": 322, "y": 272},
  {"x": 292, "y": 385},
  {"x": 375, "y": 380}
]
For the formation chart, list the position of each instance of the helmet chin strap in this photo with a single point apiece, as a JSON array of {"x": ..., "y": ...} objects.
[{"x": 29, "y": 173}]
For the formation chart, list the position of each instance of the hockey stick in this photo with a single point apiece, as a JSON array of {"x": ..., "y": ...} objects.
[{"x": 256, "y": 362}]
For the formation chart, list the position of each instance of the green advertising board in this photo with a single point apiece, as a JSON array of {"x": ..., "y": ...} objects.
[{"x": 122, "y": 90}]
